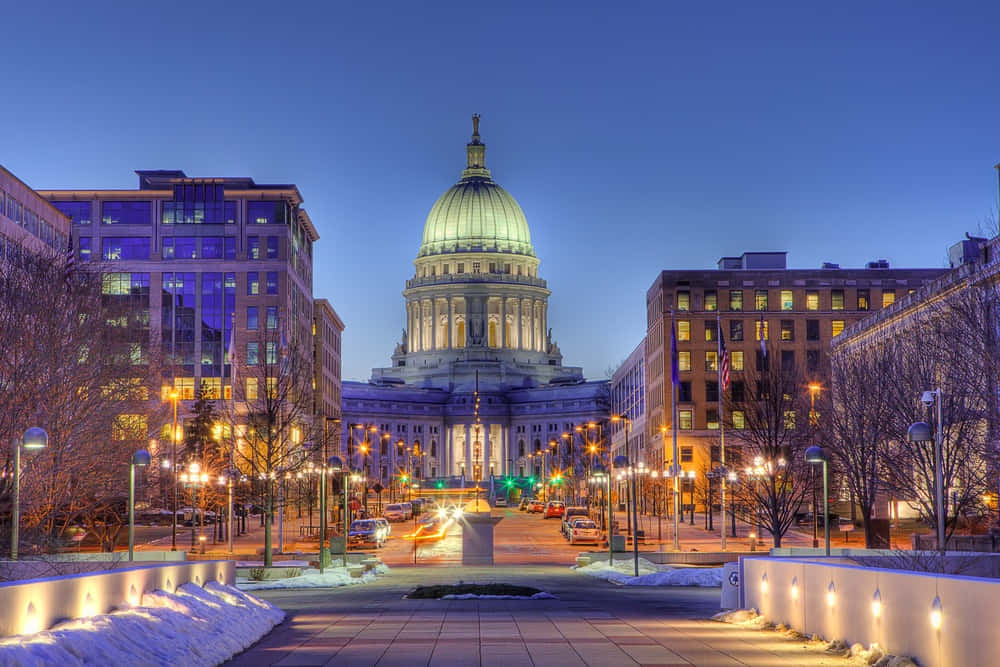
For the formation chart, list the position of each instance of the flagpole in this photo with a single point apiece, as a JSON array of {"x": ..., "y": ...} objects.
[
  {"x": 722, "y": 434},
  {"x": 232, "y": 425},
  {"x": 674, "y": 373}
]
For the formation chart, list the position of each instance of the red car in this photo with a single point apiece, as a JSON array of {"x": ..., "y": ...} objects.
[
  {"x": 536, "y": 507},
  {"x": 554, "y": 509}
]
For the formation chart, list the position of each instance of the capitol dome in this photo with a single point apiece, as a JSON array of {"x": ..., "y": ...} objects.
[{"x": 476, "y": 214}]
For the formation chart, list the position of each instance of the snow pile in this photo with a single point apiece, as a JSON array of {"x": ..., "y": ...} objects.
[
  {"x": 192, "y": 626},
  {"x": 748, "y": 618},
  {"x": 472, "y": 596},
  {"x": 650, "y": 574},
  {"x": 332, "y": 577}
]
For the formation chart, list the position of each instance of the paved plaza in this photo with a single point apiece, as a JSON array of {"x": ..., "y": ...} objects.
[{"x": 592, "y": 623}]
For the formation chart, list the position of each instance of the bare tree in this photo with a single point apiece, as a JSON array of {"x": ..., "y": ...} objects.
[
  {"x": 75, "y": 359},
  {"x": 769, "y": 428},
  {"x": 854, "y": 422},
  {"x": 276, "y": 399}
]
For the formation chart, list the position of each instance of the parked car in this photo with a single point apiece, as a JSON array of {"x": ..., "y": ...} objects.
[
  {"x": 384, "y": 525},
  {"x": 500, "y": 502},
  {"x": 394, "y": 512},
  {"x": 567, "y": 526},
  {"x": 525, "y": 502},
  {"x": 365, "y": 532},
  {"x": 554, "y": 509},
  {"x": 584, "y": 531},
  {"x": 407, "y": 510},
  {"x": 569, "y": 514},
  {"x": 536, "y": 506}
]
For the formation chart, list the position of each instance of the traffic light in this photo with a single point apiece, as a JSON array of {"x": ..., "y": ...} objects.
[
  {"x": 508, "y": 482},
  {"x": 404, "y": 478},
  {"x": 440, "y": 485}
]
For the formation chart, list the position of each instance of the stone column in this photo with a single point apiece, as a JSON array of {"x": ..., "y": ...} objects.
[
  {"x": 434, "y": 323},
  {"x": 503, "y": 323},
  {"x": 468, "y": 451}
]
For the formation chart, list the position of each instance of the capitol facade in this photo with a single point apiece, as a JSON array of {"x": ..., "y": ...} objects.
[{"x": 476, "y": 326}]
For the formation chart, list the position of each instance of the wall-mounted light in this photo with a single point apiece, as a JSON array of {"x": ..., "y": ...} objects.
[
  {"x": 831, "y": 594},
  {"x": 936, "y": 614},
  {"x": 795, "y": 588},
  {"x": 877, "y": 604},
  {"x": 763, "y": 583}
]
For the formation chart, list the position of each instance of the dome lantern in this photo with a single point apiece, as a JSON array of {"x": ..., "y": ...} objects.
[{"x": 476, "y": 214}]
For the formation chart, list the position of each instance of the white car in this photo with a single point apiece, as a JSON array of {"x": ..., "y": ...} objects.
[
  {"x": 394, "y": 512},
  {"x": 584, "y": 531},
  {"x": 500, "y": 502}
]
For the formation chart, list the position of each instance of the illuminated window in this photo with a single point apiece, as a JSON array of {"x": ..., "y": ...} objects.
[
  {"x": 864, "y": 299},
  {"x": 888, "y": 298},
  {"x": 787, "y": 330},
  {"x": 790, "y": 420},
  {"x": 787, "y": 301},
  {"x": 711, "y": 361},
  {"x": 760, "y": 299},
  {"x": 272, "y": 388},
  {"x": 735, "y": 300},
  {"x": 838, "y": 326},
  {"x": 685, "y": 422},
  {"x": 684, "y": 301},
  {"x": 757, "y": 330},
  {"x": 739, "y": 421},
  {"x": 837, "y": 299},
  {"x": 251, "y": 389},
  {"x": 712, "y": 419},
  {"x": 736, "y": 360},
  {"x": 129, "y": 427},
  {"x": 683, "y": 360},
  {"x": 711, "y": 300},
  {"x": 683, "y": 330},
  {"x": 812, "y": 299},
  {"x": 253, "y": 283},
  {"x": 711, "y": 331}
]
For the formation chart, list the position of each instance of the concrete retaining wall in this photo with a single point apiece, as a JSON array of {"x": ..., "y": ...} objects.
[
  {"x": 30, "y": 606},
  {"x": 836, "y": 602}
]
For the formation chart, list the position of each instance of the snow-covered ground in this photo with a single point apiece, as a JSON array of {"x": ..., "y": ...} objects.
[
  {"x": 651, "y": 574},
  {"x": 192, "y": 626},
  {"x": 332, "y": 577}
]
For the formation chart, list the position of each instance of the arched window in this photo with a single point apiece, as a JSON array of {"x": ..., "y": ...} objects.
[
  {"x": 434, "y": 448},
  {"x": 460, "y": 335},
  {"x": 538, "y": 445},
  {"x": 520, "y": 448},
  {"x": 493, "y": 334}
]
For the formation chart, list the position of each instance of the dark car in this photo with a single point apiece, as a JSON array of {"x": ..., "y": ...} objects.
[{"x": 366, "y": 532}]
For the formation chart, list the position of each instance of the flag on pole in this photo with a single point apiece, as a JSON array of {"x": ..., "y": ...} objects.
[
  {"x": 763, "y": 336},
  {"x": 70, "y": 265},
  {"x": 675, "y": 367},
  {"x": 723, "y": 362}
]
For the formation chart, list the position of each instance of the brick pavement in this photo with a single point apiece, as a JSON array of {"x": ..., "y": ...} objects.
[{"x": 593, "y": 623}]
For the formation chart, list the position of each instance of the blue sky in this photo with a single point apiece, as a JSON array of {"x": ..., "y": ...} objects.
[{"x": 636, "y": 137}]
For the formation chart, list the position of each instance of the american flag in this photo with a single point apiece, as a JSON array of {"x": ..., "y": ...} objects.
[
  {"x": 70, "y": 265},
  {"x": 723, "y": 362}
]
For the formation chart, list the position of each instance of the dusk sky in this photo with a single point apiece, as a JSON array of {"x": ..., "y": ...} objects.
[{"x": 635, "y": 136}]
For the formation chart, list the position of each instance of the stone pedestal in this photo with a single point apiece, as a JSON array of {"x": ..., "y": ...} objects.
[{"x": 477, "y": 534}]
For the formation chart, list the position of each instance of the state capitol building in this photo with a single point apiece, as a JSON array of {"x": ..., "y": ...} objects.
[{"x": 476, "y": 316}]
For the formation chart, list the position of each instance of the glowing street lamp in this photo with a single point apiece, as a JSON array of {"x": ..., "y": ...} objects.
[
  {"x": 817, "y": 455},
  {"x": 194, "y": 477},
  {"x": 140, "y": 458},
  {"x": 32, "y": 440}
]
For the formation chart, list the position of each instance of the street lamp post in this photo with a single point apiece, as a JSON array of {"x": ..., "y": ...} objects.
[
  {"x": 814, "y": 389},
  {"x": 194, "y": 477},
  {"x": 921, "y": 432},
  {"x": 33, "y": 439},
  {"x": 622, "y": 462},
  {"x": 817, "y": 455},
  {"x": 691, "y": 474},
  {"x": 140, "y": 458},
  {"x": 174, "y": 397},
  {"x": 732, "y": 478},
  {"x": 336, "y": 465}
]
